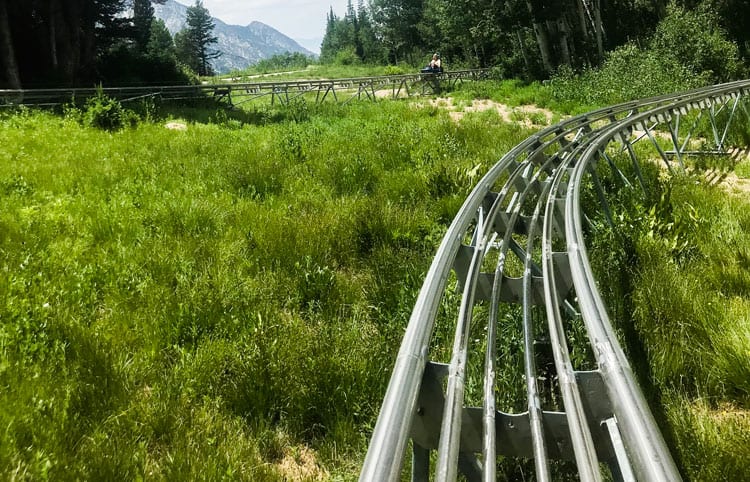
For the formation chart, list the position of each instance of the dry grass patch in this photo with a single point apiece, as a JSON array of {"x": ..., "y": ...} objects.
[
  {"x": 300, "y": 464},
  {"x": 526, "y": 115}
]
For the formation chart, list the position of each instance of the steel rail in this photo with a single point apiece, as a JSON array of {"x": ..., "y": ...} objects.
[
  {"x": 605, "y": 419},
  {"x": 653, "y": 461},
  {"x": 384, "y": 457},
  {"x": 238, "y": 93}
]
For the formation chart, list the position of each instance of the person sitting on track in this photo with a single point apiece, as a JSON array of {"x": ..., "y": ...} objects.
[{"x": 435, "y": 66}]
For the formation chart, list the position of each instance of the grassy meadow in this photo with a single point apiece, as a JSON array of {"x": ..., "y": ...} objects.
[
  {"x": 220, "y": 302},
  {"x": 317, "y": 71},
  {"x": 226, "y": 301}
]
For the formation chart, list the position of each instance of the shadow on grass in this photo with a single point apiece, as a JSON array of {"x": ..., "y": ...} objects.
[
  {"x": 639, "y": 362},
  {"x": 209, "y": 111}
]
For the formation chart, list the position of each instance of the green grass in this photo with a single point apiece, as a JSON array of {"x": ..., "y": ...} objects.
[
  {"x": 216, "y": 302},
  {"x": 515, "y": 93},
  {"x": 320, "y": 71},
  {"x": 682, "y": 308},
  {"x": 226, "y": 302}
]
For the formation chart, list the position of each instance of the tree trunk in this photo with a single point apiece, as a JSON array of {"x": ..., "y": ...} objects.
[
  {"x": 523, "y": 51},
  {"x": 599, "y": 28},
  {"x": 542, "y": 39},
  {"x": 7, "y": 53},
  {"x": 562, "y": 36},
  {"x": 593, "y": 12},
  {"x": 53, "y": 11},
  {"x": 87, "y": 44},
  {"x": 69, "y": 40},
  {"x": 582, "y": 16}
]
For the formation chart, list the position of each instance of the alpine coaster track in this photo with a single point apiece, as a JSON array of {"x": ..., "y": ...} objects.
[
  {"x": 528, "y": 206},
  {"x": 283, "y": 92}
]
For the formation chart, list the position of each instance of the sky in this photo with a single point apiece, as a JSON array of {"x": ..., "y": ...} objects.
[{"x": 302, "y": 20}]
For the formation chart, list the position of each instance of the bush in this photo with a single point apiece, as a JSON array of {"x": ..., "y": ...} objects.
[
  {"x": 394, "y": 70},
  {"x": 103, "y": 112},
  {"x": 688, "y": 50},
  {"x": 695, "y": 40},
  {"x": 347, "y": 57},
  {"x": 285, "y": 61},
  {"x": 122, "y": 66},
  {"x": 628, "y": 73}
]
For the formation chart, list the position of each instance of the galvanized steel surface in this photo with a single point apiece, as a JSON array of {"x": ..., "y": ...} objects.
[{"x": 606, "y": 419}]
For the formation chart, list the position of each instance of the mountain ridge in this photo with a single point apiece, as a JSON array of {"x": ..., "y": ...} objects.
[{"x": 240, "y": 46}]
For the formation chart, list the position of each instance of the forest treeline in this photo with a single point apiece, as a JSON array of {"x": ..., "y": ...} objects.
[
  {"x": 535, "y": 38},
  {"x": 80, "y": 42},
  {"x": 75, "y": 42}
]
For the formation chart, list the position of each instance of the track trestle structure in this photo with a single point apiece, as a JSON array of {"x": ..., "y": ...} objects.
[{"x": 517, "y": 245}]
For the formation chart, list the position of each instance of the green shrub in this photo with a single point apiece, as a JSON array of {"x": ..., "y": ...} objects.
[
  {"x": 628, "y": 73},
  {"x": 743, "y": 169},
  {"x": 712, "y": 439},
  {"x": 394, "y": 70},
  {"x": 102, "y": 112},
  {"x": 694, "y": 39},
  {"x": 347, "y": 57},
  {"x": 688, "y": 50}
]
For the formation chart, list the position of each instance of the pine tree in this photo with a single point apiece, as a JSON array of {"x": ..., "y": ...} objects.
[
  {"x": 10, "y": 76},
  {"x": 371, "y": 50},
  {"x": 160, "y": 44},
  {"x": 330, "y": 44},
  {"x": 143, "y": 15},
  {"x": 194, "y": 42},
  {"x": 185, "y": 51}
]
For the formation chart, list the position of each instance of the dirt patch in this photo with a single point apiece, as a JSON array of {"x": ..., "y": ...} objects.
[
  {"x": 176, "y": 126},
  {"x": 299, "y": 463},
  {"x": 725, "y": 412},
  {"x": 728, "y": 180},
  {"x": 735, "y": 185},
  {"x": 529, "y": 116}
]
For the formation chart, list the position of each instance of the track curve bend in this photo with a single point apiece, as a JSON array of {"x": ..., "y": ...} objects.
[{"x": 518, "y": 240}]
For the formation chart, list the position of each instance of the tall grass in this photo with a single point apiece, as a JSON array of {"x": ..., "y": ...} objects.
[
  {"x": 223, "y": 302},
  {"x": 682, "y": 308},
  {"x": 321, "y": 71},
  {"x": 226, "y": 302}
]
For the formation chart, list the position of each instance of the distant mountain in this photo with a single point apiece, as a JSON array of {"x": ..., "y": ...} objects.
[
  {"x": 240, "y": 46},
  {"x": 312, "y": 44}
]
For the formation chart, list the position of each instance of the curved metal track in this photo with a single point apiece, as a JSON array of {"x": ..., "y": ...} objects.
[
  {"x": 526, "y": 215},
  {"x": 343, "y": 90}
]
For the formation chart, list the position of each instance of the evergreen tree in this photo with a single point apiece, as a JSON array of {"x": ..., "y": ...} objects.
[
  {"x": 143, "y": 15},
  {"x": 10, "y": 76},
  {"x": 366, "y": 36},
  {"x": 185, "y": 51},
  {"x": 111, "y": 28},
  {"x": 160, "y": 43},
  {"x": 351, "y": 30},
  {"x": 330, "y": 44},
  {"x": 194, "y": 42},
  {"x": 398, "y": 22},
  {"x": 57, "y": 41},
  {"x": 352, "y": 38}
]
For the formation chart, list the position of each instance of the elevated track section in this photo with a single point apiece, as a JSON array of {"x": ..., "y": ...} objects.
[
  {"x": 517, "y": 249},
  {"x": 282, "y": 92}
]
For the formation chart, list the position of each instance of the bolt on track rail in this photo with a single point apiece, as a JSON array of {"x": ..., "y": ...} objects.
[
  {"x": 283, "y": 92},
  {"x": 532, "y": 195}
]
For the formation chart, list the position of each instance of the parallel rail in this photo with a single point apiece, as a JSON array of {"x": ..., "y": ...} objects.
[
  {"x": 528, "y": 207},
  {"x": 341, "y": 90}
]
